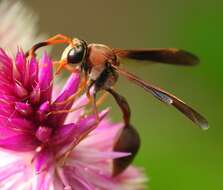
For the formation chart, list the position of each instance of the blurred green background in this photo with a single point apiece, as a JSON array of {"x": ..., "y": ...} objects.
[{"x": 176, "y": 154}]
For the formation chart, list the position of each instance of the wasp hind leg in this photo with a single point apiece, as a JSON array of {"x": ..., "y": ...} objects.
[
  {"x": 71, "y": 98},
  {"x": 92, "y": 100},
  {"x": 128, "y": 141}
]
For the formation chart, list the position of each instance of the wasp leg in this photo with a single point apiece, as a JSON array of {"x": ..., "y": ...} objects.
[
  {"x": 65, "y": 155},
  {"x": 67, "y": 111},
  {"x": 101, "y": 99},
  {"x": 98, "y": 102},
  {"x": 62, "y": 158},
  {"x": 83, "y": 85},
  {"x": 92, "y": 100},
  {"x": 71, "y": 69},
  {"x": 95, "y": 108},
  {"x": 62, "y": 64},
  {"x": 57, "y": 39},
  {"x": 128, "y": 141}
]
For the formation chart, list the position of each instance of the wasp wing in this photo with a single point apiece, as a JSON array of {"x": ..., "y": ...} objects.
[
  {"x": 167, "y": 98},
  {"x": 168, "y": 55}
]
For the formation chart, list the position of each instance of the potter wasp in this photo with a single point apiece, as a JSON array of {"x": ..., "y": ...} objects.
[{"x": 100, "y": 69}]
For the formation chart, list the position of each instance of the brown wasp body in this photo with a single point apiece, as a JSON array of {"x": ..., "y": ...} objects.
[
  {"x": 100, "y": 60},
  {"x": 100, "y": 67}
]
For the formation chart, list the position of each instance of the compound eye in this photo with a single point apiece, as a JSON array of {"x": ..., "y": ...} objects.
[{"x": 76, "y": 54}]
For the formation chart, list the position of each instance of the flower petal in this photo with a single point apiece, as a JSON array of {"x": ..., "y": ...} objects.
[
  {"x": 17, "y": 124},
  {"x": 43, "y": 181},
  {"x": 20, "y": 91},
  {"x": 33, "y": 72},
  {"x": 19, "y": 143},
  {"x": 92, "y": 156},
  {"x": 35, "y": 95},
  {"x": 24, "y": 109},
  {"x": 46, "y": 78},
  {"x": 93, "y": 178},
  {"x": 69, "y": 89},
  {"x": 103, "y": 137},
  {"x": 43, "y": 133},
  {"x": 74, "y": 116},
  {"x": 42, "y": 160},
  {"x": 41, "y": 113},
  {"x": 64, "y": 134},
  {"x": 89, "y": 123},
  {"x": 20, "y": 65},
  {"x": 11, "y": 169},
  {"x": 5, "y": 65}
]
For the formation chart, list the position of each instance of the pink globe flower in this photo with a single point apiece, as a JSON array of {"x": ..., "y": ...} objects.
[{"x": 43, "y": 149}]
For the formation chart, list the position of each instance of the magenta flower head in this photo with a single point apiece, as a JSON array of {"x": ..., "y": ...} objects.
[{"x": 44, "y": 147}]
